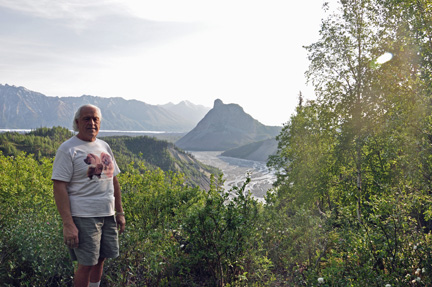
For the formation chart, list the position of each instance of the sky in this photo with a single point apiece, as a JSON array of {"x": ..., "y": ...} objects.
[{"x": 246, "y": 52}]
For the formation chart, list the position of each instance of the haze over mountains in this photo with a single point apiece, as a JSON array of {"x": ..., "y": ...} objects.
[
  {"x": 21, "y": 108},
  {"x": 225, "y": 127}
]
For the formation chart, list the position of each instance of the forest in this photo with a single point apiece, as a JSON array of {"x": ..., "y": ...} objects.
[{"x": 351, "y": 205}]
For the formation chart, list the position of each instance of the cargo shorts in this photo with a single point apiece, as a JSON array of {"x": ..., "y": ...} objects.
[{"x": 98, "y": 238}]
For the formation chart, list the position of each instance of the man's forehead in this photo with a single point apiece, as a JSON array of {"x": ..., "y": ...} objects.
[{"x": 89, "y": 112}]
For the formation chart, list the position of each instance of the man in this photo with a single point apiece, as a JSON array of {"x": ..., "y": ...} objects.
[{"x": 88, "y": 197}]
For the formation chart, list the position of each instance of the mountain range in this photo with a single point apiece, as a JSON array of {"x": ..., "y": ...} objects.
[
  {"x": 225, "y": 127},
  {"x": 21, "y": 108}
]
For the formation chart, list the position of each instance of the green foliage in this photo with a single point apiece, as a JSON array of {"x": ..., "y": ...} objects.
[
  {"x": 352, "y": 204},
  {"x": 162, "y": 245},
  {"x": 354, "y": 165},
  {"x": 42, "y": 142},
  {"x": 31, "y": 249},
  {"x": 162, "y": 154},
  {"x": 141, "y": 151},
  {"x": 222, "y": 239},
  {"x": 138, "y": 148},
  {"x": 156, "y": 203}
]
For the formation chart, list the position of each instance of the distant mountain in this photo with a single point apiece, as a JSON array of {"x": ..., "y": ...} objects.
[
  {"x": 225, "y": 127},
  {"x": 187, "y": 110},
  {"x": 24, "y": 109}
]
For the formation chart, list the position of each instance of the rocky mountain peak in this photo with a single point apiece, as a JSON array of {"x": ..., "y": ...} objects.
[
  {"x": 224, "y": 127},
  {"x": 217, "y": 103}
]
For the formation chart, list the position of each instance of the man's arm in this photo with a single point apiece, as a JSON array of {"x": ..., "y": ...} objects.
[
  {"x": 70, "y": 231},
  {"x": 121, "y": 221}
]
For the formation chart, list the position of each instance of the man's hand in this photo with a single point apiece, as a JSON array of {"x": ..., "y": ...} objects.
[
  {"x": 121, "y": 222},
  {"x": 70, "y": 235},
  {"x": 120, "y": 218},
  {"x": 70, "y": 231}
]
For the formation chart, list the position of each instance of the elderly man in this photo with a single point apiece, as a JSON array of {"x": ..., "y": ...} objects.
[{"x": 88, "y": 197}]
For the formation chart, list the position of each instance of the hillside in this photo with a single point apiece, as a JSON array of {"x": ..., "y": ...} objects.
[
  {"x": 257, "y": 151},
  {"x": 21, "y": 108},
  {"x": 162, "y": 154},
  {"x": 153, "y": 153},
  {"x": 225, "y": 127}
]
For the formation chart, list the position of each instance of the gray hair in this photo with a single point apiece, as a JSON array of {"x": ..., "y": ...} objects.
[{"x": 78, "y": 114}]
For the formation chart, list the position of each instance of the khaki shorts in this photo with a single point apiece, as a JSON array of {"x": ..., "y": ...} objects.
[{"x": 98, "y": 238}]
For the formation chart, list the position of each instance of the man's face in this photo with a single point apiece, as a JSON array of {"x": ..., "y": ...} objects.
[{"x": 88, "y": 124}]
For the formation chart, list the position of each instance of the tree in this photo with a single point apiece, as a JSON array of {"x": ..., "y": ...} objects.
[{"x": 360, "y": 150}]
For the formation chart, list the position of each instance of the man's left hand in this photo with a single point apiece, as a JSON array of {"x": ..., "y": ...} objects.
[{"x": 121, "y": 222}]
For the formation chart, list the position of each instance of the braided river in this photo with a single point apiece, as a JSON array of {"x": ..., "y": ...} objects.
[{"x": 236, "y": 171}]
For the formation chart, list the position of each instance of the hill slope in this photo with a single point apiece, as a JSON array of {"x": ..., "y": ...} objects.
[
  {"x": 226, "y": 126},
  {"x": 258, "y": 151},
  {"x": 162, "y": 154},
  {"x": 43, "y": 142}
]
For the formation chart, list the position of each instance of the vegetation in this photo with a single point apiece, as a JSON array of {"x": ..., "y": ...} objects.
[
  {"x": 42, "y": 142},
  {"x": 138, "y": 151},
  {"x": 355, "y": 164},
  {"x": 351, "y": 206},
  {"x": 176, "y": 234},
  {"x": 161, "y": 154}
]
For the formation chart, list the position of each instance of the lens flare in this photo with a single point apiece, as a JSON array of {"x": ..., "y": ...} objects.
[{"x": 384, "y": 58}]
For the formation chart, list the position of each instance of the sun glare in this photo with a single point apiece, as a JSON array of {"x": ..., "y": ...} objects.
[{"x": 384, "y": 58}]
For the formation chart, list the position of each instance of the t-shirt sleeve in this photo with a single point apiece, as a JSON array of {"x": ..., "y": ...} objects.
[{"x": 62, "y": 166}]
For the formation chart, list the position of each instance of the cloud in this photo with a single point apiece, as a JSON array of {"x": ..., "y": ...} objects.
[
  {"x": 44, "y": 48},
  {"x": 76, "y": 10},
  {"x": 159, "y": 51},
  {"x": 27, "y": 37}
]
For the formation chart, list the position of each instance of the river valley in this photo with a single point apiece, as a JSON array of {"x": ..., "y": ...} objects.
[{"x": 236, "y": 170}]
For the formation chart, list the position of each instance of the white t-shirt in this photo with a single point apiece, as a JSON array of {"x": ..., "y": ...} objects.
[{"x": 88, "y": 168}]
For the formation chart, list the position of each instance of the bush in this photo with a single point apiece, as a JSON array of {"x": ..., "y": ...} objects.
[
  {"x": 221, "y": 241},
  {"x": 32, "y": 252}
]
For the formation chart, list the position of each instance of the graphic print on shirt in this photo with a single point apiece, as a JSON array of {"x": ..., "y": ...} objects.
[
  {"x": 108, "y": 165},
  {"x": 98, "y": 165}
]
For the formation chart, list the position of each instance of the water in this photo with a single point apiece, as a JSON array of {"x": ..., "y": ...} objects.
[
  {"x": 236, "y": 170},
  {"x": 22, "y": 131}
]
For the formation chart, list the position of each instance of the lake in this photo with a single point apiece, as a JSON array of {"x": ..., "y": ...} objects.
[{"x": 235, "y": 172}]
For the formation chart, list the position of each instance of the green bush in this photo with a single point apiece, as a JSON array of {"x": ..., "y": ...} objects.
[
  {"x": 32, "y": 252},
  {"x": 221, "y": 239}
]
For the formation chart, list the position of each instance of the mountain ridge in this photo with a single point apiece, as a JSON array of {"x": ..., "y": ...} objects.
[
  {"x": 21, "y": 108},
  {"x": 225, "y": 127}
]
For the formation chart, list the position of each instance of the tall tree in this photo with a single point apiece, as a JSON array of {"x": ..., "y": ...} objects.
[
  {"x": 369, "y": 132},
  {"x": 341, "y": 73}
]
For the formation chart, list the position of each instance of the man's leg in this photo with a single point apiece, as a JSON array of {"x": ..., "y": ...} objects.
[
  {"x": 96, "y": 271},
  {"x": 82, "y": 276},
  {"x": 85, "y": 274}
]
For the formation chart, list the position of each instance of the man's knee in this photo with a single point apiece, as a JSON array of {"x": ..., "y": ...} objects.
[
  {"x": 84, "y": 268},
  {"x": 90, "y": 267}
]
